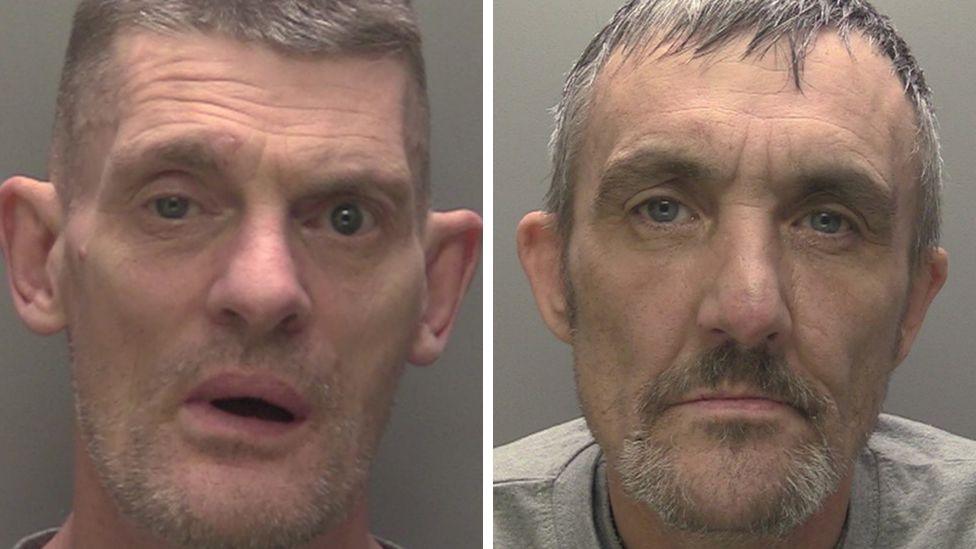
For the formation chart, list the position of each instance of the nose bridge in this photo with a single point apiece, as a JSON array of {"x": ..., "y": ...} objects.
[
  {"x": 746, "y": 300},
  {"x": 260, "y": 285},
  {"x": 261, "y": 249}
]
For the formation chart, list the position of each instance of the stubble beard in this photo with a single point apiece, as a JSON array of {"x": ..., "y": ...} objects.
[{"x": 143, "y": 481}]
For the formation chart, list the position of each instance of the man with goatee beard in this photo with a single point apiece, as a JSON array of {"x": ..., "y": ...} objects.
[{"x": 740, "y": 245}]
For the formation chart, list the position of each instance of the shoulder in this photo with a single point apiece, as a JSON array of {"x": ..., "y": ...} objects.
[
  {"x": 542, "y": 455},
  {"x": 540, "y": 482},
  {"x": 926, "y": 483},
  {"x": 910, "y": 443},
  {"x": 36, "y": 540}
]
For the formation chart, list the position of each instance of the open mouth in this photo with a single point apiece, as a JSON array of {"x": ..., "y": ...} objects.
[
  {"x": 257, "y": 404},
  {"x": 253, "y": 407}
]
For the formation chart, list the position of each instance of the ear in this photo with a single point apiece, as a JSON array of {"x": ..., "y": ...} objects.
[
  {"x": 30, "y": 222},
  {"x": 452, "y": 247},
  {"x": 926, "y": 282},
  {"x": 540, "y": 249}
]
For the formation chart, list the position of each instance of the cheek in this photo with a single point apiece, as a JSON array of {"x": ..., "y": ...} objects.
[
  {"x": 846, "y": 331},
  {"x": 634, "y": 314},
  {"x": 121, "y": 317},
  {"x": 370, "y": 319},
  {"x": 132, "y": 308}
]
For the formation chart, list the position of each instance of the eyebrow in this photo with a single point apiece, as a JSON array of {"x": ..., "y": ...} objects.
[
  {"x": 851, "y": 186},
  {"x": 194, "y": 153},
  {"x": 625, "y": 175}
]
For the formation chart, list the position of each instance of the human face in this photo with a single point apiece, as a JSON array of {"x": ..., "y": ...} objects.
[
  {"x": 721, "y": 212},
  {"x": 243, "y": 277}
]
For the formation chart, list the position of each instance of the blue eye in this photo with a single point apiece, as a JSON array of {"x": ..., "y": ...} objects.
[
  {"x": 827, "y": 222},
  {"x": 347, "y": 219},
  {"x": 663, "y": 210},
  {"x": 172, "y": 207}
]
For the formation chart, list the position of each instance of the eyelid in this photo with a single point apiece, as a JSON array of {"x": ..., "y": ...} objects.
[
  {"x": 196, "y": 207},
  {"x": 636, "y": 204},
  {"x": 833, "y": 203},
  {"x": 854, "y": 222},
  {"x": 318, "y": 213},
  {"x": 170, "y": 183}
]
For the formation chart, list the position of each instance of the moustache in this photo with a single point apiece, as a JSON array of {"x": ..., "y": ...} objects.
[
  {"x": 294, "y": 364},
  {"x": 757, "y": 368}
]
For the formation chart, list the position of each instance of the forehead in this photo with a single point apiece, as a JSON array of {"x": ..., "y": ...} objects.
[
  {"x": 336, "y": 108},
  {"x": 850, "y": 103}
]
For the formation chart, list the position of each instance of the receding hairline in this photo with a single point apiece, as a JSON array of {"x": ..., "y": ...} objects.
[{"x": 860, "y": 51}]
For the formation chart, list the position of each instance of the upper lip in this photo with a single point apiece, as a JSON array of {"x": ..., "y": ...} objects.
[
  {"x": 252, "y": 385},
  {"x": 726, "y": 395}
]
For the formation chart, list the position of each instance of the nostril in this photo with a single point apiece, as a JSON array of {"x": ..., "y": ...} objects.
[
  {"x": 291, "y": 323},
  {"x": 230, "y": 317}
]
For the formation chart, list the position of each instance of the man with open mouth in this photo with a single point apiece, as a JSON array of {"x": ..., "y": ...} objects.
[{"x": 237, "y": 238}]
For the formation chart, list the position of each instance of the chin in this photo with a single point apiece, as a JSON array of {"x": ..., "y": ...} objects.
[
  {"x": 224, "y": 505},
  {"x": 225, "y": 500}
]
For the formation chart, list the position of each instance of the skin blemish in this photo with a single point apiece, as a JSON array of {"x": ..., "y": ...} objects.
[{"x": 226, "y": 145}]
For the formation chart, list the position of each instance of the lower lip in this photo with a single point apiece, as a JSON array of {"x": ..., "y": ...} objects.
[{"x": 203, "y": 419}]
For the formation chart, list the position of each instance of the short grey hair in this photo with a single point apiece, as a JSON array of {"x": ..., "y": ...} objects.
[
  {"x": 705, "y": 26},
  {"x": 289, "y": 27}
]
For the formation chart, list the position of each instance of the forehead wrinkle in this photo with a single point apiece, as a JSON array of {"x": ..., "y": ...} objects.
[
  {"x": 242, "y": 110},
  {"x": 173, "y": 73},
  {"x": 784, "y": 116},
  {"x": 698, "y": 132},
  {"x": 347, "y": 141}
]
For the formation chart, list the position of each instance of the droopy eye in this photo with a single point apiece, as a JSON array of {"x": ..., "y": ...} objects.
[
  {"x": 172, "y": 207},
  {"x": 827, "y": 222},
  {"x": 348, "y": 218},
  {"x": 664, "y": 210}
]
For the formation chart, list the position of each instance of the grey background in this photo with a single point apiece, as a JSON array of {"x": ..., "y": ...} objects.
[
  {"x": 537, "y": 42},
  {"x": 426, "y": 485}
]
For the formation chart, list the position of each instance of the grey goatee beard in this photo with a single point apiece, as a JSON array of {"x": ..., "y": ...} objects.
[{"x": 651, "y": 472}]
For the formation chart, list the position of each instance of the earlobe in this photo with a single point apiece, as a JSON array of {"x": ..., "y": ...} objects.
[
  {"x": 540, "y": 250},
  {"x": 30, "y": 222},
  {"x": 925, "y": 285},
  {"x": 452, "y": 247}
]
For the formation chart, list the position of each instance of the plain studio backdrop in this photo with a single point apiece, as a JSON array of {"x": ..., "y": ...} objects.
[
  {"x": 536, "y": 43},
  {"x": 426, "y": 483}
]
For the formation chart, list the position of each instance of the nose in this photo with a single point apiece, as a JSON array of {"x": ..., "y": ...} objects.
[
  {"x": 745, "y": 300},
  {"x": 259, "y": 289}
]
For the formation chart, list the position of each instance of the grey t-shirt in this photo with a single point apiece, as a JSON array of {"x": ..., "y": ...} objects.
[
  {"x": 914, "y": 487},
  {"x": 38, "y": 540}
]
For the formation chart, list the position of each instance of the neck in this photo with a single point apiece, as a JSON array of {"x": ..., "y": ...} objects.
[
  {"x": 96, "y": 521},
  {"x": 640, "y": 527}
]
